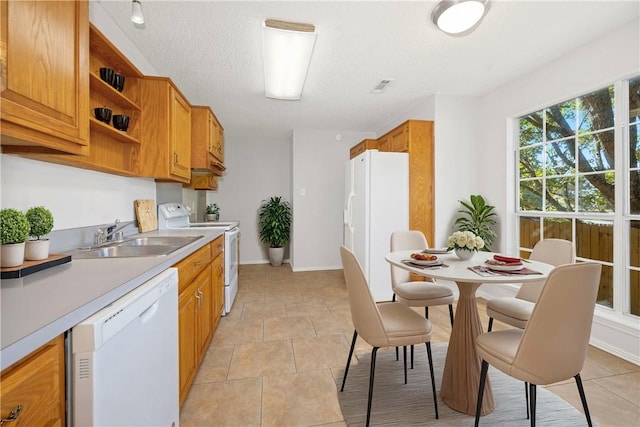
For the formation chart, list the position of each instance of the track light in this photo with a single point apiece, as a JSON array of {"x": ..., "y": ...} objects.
[
  {"x": 136, "y": 12},
  {"x": 459, "y": 17}
]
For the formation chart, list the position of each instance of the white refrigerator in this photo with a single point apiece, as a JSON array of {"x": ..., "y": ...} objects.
[{"x": 376, "y": 204}]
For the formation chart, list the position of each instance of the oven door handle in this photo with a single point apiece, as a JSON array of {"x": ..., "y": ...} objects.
[{"x": 234, "y": 232}]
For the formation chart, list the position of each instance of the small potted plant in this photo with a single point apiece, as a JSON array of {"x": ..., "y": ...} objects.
[
  {"x": 274, "y": 225},
  {"x": 479, "y": 218},
  {"x": 14, "y": 230},
  {"x": 41, "y": 223},
  {"x": 212, "y": 212}
]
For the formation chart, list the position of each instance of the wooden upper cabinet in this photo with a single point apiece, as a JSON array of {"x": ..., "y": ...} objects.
[
  {"x": 165, "y": 149},
  {"x": 180, "y": 140},
  {"x": 364, "y": 145},
  {"x": 112, "y": 151},
  {"x": 44, "y": 82},
  {"x": 384, "y": 143},
  {"x": 207, "y": 151},
  {"x": 399, "y": 138}
]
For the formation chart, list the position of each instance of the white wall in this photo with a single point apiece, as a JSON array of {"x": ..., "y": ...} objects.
[
  {"x": 319, "y": 161},
  {"x": 78, "y": 197},
  {"x": 256, "y": 170}
]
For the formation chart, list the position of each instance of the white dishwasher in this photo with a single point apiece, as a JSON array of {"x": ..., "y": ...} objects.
[{"x": 125, "y": 359}]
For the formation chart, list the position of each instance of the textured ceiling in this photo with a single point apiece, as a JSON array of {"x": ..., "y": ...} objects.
[{"x": 213, "y": 51}]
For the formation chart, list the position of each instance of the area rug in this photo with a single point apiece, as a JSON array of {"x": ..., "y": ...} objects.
[{"x": 399, "y": 404}]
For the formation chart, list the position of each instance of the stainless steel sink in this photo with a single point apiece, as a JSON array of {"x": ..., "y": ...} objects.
[{"x": 136, "y": 247}]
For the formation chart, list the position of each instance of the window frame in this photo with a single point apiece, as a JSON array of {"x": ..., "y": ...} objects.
[{"x": 621, "y": 216}]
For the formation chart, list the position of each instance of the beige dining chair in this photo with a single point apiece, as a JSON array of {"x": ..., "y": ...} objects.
[
  {"x": 416, "y": 293},
  {"x": 515, "y": 311},
  {"x": 553, "y": 345},
  {"x": 386, "y": 324}
]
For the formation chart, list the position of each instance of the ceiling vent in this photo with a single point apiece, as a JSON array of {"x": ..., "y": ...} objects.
[{"x": 381, "y": 86}]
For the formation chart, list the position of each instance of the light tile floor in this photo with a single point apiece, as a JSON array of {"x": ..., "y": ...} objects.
[{"x": 273, "y": 359}]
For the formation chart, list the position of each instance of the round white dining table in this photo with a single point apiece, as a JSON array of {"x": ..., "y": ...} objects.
[{"x": 461, "y": 376}]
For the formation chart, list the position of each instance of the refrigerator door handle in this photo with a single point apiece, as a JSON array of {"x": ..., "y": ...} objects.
[{"x": 348, "y": 213}]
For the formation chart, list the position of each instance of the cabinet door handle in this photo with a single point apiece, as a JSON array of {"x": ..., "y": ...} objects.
[
  {"x": 175, "y": 158},
  {"x": 197, "y": 295},
  {"x": 13, "y": 416},
  {"x": 197, "y": 263}
]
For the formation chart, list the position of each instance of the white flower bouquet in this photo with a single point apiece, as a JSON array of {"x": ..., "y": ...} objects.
[{"x": 465, "y": 240}]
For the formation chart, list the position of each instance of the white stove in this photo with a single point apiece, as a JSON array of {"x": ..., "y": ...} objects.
[{"x": 176, "y": 216}]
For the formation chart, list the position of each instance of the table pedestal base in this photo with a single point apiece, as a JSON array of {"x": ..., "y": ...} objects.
[{"x": 461, "y": 377}]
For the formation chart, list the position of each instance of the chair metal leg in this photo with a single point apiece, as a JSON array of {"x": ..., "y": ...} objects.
[
  {"x": 451, "y": 314},
  {"x": 583, "y": 398},
  {"x": 483, "y": 377},
  {"x": 490, "y": 324},
  {"x": 371, "y": 374},
  {"x": 532, "y": 403},
  {"x": 433, "y": 380},
  {"x": 526, "y": 396},
  {"x": 404, "y": 356},
  {"x": 412, "y": 357},
  {"x": 346, "y": 370}
]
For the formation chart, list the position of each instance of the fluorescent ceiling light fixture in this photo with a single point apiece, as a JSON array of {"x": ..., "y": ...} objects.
[
  {"x": 136, "y": 12},
  {"x": 459, "y": 17},
  {"x": 287, "y": 48}
]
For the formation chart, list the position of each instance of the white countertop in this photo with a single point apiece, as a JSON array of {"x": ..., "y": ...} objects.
[{"x": 37, "y": 308}]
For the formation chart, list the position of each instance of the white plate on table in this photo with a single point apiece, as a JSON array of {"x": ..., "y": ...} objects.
[
  {"x": 434, "y": 251},
  {"x": 504, "y": 267},
  {"x": 430, "y": 263}
]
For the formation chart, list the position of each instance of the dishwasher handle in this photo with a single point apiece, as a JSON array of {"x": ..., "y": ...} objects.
[{"x": 148, "y": 314}]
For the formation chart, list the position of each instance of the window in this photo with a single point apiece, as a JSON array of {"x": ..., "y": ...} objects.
[{"x": 571, "y": 178}]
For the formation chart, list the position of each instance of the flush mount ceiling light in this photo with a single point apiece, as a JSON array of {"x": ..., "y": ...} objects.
[
  {"x": 287, "y": 48},
  {"x": 136, "y": 12},
  {"x": 459, "y": 17}
]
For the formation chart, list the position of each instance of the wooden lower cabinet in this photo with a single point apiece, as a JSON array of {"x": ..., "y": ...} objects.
[
  {"x": 201, "y": 287},
  {"x": 186, "y": 339},
  {"x": 204, "y": 295},
  {"x": 36, "y": 385},
  {"x": 217, "y": 281}
]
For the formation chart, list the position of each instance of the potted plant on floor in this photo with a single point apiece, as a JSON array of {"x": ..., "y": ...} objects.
[
  {"x": 41, "y": 223},
  {"x": 14, "y": 229},
  {"x": 478, "y": 217},
  {"x": 274, "y": 225},
  {"x": 212, "y": 212}
]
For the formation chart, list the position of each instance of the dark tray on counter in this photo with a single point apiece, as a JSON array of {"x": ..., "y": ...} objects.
[{"x": 30, "y": 267}]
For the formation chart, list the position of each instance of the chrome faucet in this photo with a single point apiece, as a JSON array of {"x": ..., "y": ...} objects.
[{"x": 103, "y": 236}]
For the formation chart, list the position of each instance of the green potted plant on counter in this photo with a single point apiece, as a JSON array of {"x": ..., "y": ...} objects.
[
  {"x": 14, "y": 230},
  {"x": 41, "y": 223},
  {"x": 274, "y": 225},
  {"x": 212, "y": 212}
]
